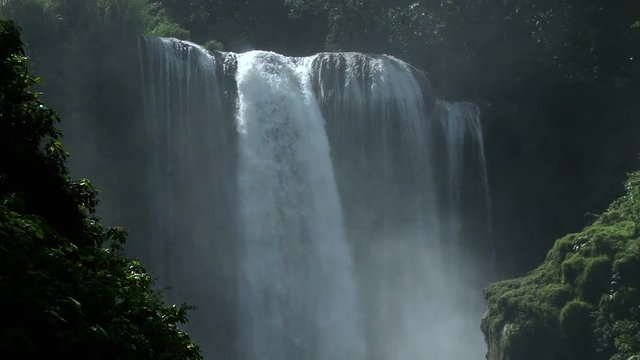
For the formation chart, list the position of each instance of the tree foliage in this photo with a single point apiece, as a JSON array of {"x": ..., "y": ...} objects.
[{"x": 67, "y": 292}]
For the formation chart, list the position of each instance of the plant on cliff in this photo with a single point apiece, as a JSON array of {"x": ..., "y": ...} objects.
[
  {"x": 66, "y": 292},
  {"x": 583, "y": 302}
]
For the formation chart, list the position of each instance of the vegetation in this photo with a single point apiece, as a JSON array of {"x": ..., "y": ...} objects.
[
  {"x": 67, "y": 291},
  {"x": 583, "y": 302}
]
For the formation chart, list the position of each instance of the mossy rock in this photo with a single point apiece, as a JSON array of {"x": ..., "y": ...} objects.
[
  {"x": 576, "y": 323},
  {"x": 214, "y": 45},
  {"x": 572, "y": 268},
  {"x": 583, "y": 302},
  {"x": 595, "y": 280},
  {"x": 627, "y": 266}
]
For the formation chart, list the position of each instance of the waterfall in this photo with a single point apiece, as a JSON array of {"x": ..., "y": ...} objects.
[
  {"x": 298, "y": 295},
  {"x": 461, "y": 124},
  {"x": 313, "y": 208}
]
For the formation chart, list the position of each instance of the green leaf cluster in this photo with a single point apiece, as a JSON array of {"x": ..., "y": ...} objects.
[
  {"x": 158, "y": 23},
  {"x": 67, "y": 290}
]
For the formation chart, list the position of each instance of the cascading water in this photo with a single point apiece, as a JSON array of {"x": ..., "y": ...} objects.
[
  {"x": 461, "y": 123},
  {"x": 313, "y": 208},
  {"x": 383, "y": 128},
  {"x": 297, "y": 291}
]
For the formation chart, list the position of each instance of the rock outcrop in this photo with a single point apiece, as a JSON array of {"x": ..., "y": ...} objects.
[{"x": 583, "y": 302}]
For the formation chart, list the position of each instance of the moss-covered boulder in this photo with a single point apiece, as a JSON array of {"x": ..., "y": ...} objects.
[{"x": 583, "y": 302}]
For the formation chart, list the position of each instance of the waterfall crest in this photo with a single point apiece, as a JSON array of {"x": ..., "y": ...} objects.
[{"x": 313, "y": 208}]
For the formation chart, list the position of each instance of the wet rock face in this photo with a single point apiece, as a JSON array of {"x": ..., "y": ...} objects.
[{"x": 519, "y": 340}]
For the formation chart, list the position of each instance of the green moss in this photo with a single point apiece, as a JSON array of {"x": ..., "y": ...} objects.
[
  {"x": 576, "y": 322},
  {"x": 169, "y": 29},
  {"x": 627, "y": 266},
  {"x": 609, "y": 239},
  {"x": 595, "y": 279},
  {"x": 214, "y": 45},
  {"x": 158, "y": 23},
  {"x": 572, "y": 268},
  {"x": 583, "y": 302},
  {"x": 575, "y": 317},
  {"x": 591, "y": 276}
]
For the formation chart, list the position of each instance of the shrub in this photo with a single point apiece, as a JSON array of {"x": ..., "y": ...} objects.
[{"x": 214, "y": 45}]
